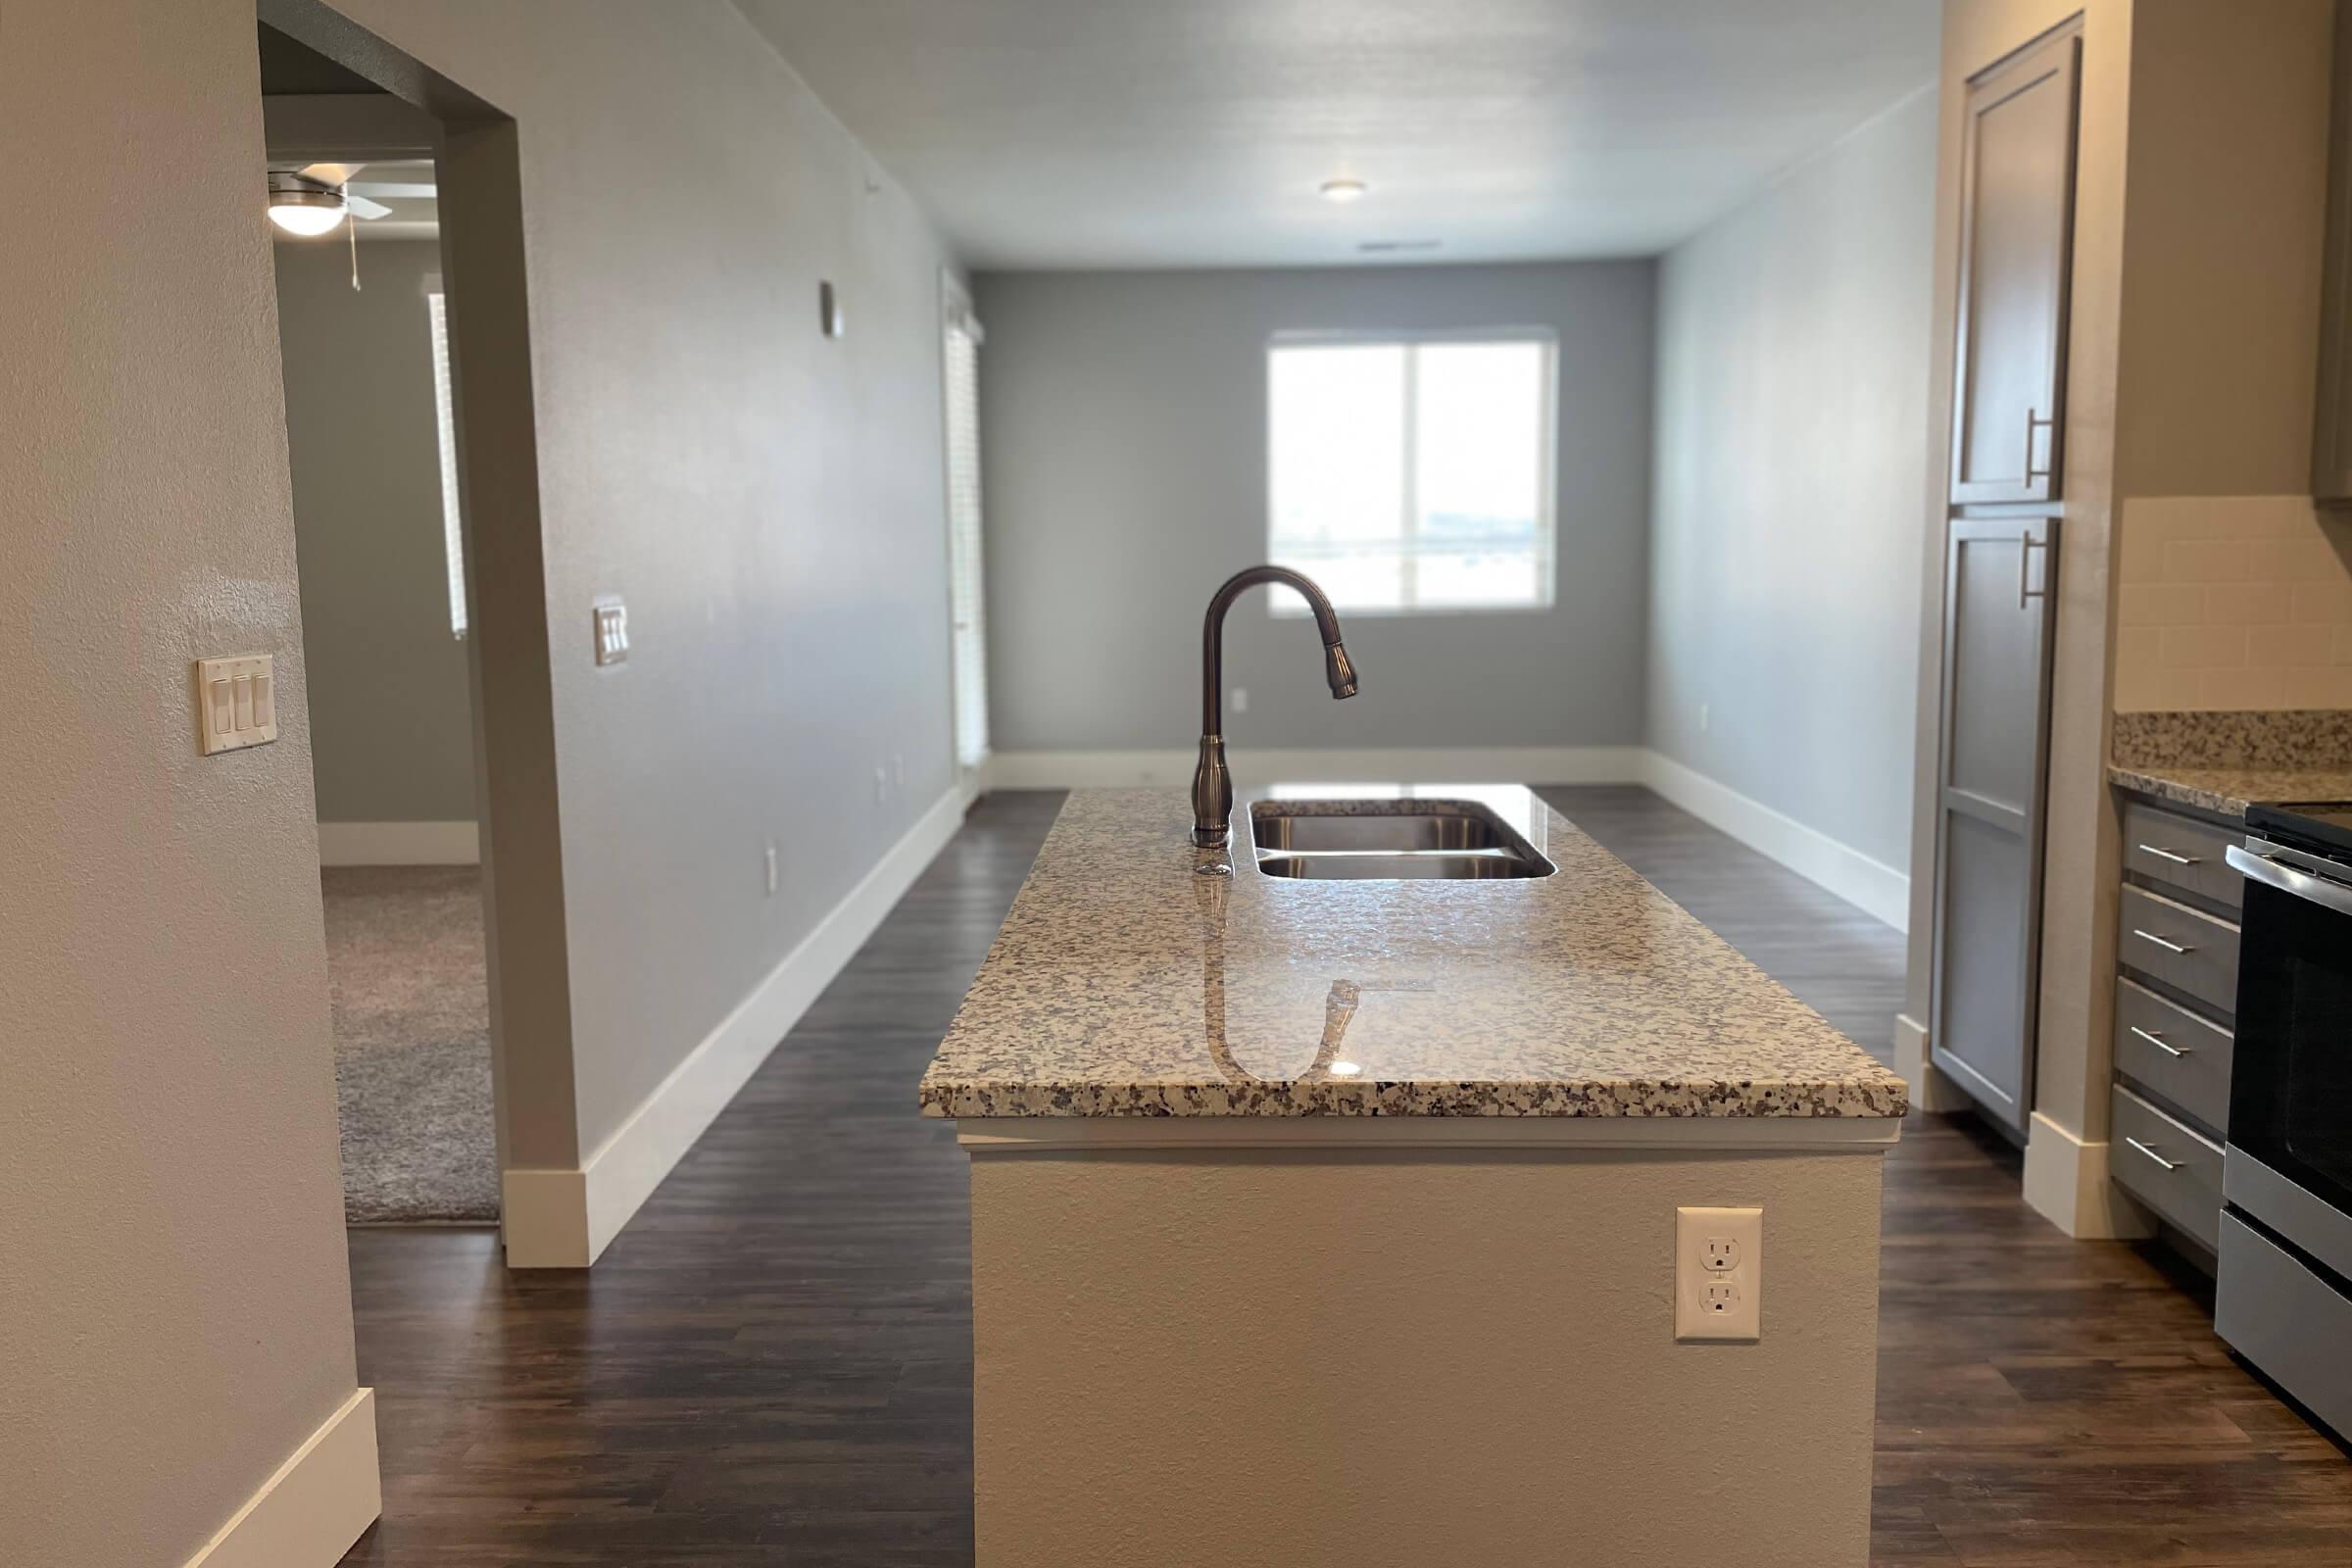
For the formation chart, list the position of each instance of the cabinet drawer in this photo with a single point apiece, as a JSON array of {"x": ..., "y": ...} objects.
[
  {"x": 2167, "y": 1166},
  {"x": 2180, "y": 852},
  {"x": 2186, "y": 949},
  {"x": 2173, "y": 1053}
]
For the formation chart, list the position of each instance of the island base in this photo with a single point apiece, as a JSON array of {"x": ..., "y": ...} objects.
[{"x": 1400, "y": 1344}]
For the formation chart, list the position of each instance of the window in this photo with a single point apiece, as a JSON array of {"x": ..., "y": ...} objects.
[
  {"x": 1413, "y": 475},
  {"x": 452, "y": 535},
  {"x": 968, "y": 643}
]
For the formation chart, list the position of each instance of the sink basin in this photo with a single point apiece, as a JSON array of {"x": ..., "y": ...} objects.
[{"x": 1382, "y": 841}]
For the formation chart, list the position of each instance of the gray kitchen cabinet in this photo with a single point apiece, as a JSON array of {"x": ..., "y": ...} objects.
[
  {"x": 2332, "y": 424},
  {"x": 1999, "y": 582},
  {"x": 2017, "y": 197}
]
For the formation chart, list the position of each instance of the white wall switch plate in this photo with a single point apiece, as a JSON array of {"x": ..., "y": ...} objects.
[
  {"x": 1238, "y": 699},
  {"x": 1718, "y": 1274},
  {"x": 236, "y": 703},
  {"x": 612, "y": 631}
]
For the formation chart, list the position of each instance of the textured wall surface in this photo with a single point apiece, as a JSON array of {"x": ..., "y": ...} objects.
[
  {"x": 769, "y": 502},
  {"x": 1406, "y": 1360},
  {"x": 1123, "y": 422},
  {"x": 1791, "y": 432},
  {"x": 391, "y": 714},
  {"x": 175, "y": 1309}
]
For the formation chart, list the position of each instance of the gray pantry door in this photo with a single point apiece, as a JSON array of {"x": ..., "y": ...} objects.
[
  {"x": 2017, "y": 203},
  {"x": 1999, "y": 577}
]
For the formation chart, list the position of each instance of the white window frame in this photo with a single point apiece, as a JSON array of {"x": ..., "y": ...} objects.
[
  {"x": 967, "y": 624},
  {"x": 1285, "y": 605},
  {"x": 445, "y": 414}
]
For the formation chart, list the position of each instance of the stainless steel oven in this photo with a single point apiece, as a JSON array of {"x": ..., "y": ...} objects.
[{"x": 2284, "y": 1298}]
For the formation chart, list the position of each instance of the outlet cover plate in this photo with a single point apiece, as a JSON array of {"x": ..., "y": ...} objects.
[{"x": 1719, "y": 1274}]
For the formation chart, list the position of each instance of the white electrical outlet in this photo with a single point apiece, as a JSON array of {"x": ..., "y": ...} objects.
[
  {"x": 881, "y": 785},
  {"x": 1241, "y": 698},
  {"x": 897, "y": 772},
  {"x": 771, "y": 868},
  {"x": 1718, "y": 1273}
]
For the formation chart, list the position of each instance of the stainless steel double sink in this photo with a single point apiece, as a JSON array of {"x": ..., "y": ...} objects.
[{"x": 1383, "y": 840}]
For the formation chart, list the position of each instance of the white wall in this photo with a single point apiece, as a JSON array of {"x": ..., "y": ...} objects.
[
  {"x": 391, "y": 713},
  {"x": 1793, "y": 365},
  {"x": 1123, "y": 427}
]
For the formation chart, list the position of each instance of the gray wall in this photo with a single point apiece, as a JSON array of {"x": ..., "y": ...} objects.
[
  {"x": 174, "y": 1310},
  {"x": 1123, "y": 422},
  {"x": 391, "y": 713},
  {"x": 771, "y": 504},
  {"x": 174, "y": 1303},
  {"x": 1793, "y": 352}
]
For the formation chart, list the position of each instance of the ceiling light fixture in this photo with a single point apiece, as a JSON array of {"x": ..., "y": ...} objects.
[
  {"x": 304, "y": 207},
  {"x": 1344, "y": 190}
]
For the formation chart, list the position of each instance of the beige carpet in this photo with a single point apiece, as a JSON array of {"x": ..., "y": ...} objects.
[{"x": 412, "y": 1010}]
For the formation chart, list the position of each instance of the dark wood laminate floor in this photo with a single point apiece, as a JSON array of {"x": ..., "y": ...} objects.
[{"x": 773, "y": 1363}]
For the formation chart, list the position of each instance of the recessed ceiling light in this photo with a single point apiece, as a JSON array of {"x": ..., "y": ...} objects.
[
  {"x": 1392, "y": 247},
  {"x": 1344, "y": 190}
]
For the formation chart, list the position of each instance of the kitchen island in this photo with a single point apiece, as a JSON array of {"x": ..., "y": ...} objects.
[{"x": 1335, "y": 1221}]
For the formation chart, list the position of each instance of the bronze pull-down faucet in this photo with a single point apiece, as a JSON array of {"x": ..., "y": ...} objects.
[{"x": 1213, "y": 787}]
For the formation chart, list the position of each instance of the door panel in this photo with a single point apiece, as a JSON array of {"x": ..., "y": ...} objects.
[
  {"x": 1998, "y": 619},
  {"x": 2016, "y": 217}
]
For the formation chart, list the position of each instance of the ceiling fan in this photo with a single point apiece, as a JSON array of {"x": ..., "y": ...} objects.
[{"x": 312, "y": 198}]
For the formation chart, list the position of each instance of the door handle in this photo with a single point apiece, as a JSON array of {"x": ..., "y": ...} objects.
[
  {"x": 2026, "y": 594},
  {"x": 2168, "y": 1165},
  {"x": 2168, "y": 947},
  {"x": 2168, "y": 855},
  {"x": 2258, "y": 868},
  {"x": 2160, "y": 1043},
  {"x": 2034, "y": 422}
]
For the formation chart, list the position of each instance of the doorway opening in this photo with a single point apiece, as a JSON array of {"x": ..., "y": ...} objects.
[{"x": 394, "y": 201}]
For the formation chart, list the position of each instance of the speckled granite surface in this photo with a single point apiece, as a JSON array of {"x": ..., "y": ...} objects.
[
  {"x": 2220, "y": 761},
  {"x": 1125, "y": 984}
]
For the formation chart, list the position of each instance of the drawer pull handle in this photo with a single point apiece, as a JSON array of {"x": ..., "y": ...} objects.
[
  {"x": 2168, "y": 947},
  {"x": 2168, "y": 855},
  {"x": 2160, "y": 1042},
  {"x": 2168, "y": 1165}
]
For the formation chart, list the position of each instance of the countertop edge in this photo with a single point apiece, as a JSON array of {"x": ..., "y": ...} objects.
[{"x": 1886, "y": 1099}]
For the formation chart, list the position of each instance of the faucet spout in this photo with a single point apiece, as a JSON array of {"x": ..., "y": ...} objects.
[{"x": 1212, "y": 785}]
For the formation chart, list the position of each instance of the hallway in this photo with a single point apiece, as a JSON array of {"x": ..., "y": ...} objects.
[{"x": 772, "y": 1362}]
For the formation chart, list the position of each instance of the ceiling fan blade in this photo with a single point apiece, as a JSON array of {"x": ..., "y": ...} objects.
[
  {"x": 362, "y": 207},
  {"x": 395, "y": 190},
  {"x": 331, "y": 173}
]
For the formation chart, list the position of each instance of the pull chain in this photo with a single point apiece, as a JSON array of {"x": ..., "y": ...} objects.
[{"x": 351, "y": 227}]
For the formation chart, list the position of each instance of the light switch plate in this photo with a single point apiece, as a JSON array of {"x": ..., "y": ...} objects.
[
  {"x": 1719, "y": 1274},
  {"x": 612, "y": 624},
  {"x": 236, "y": 703}
]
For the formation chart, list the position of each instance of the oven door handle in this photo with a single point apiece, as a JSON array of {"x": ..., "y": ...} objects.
[{"x": 2287, "y": 879}]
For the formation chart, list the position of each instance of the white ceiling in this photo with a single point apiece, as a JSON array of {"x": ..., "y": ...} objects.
[{"x": 1071, "y": 133}]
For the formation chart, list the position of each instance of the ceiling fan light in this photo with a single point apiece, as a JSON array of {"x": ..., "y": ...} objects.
[{"x": 307, "y": 219}]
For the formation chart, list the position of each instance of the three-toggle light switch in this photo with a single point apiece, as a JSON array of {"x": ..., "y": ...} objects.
[{"x": 236, "y": 703}]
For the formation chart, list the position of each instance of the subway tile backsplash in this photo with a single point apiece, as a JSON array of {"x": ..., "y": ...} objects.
[{"x": 2232, "y": 602}]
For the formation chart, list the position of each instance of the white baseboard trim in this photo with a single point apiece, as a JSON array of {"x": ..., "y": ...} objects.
[
  {"x": 1872, "y": 885},
  {"x": 2066, "y": 1183},
  {"x": 320, "y": 1501},
  {"x": 1425, "y": 764},
  {"x": 398, "y": 844},
  {"x": 566, "y": 1218}
]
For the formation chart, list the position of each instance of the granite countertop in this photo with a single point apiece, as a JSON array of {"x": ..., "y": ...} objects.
[
  {"x": 2227, "y": 791},
  {"x": 1124, "y": 982}
]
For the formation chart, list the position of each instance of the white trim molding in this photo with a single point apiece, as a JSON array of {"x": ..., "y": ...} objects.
[
  {"x": 2066, "y": 1183},
  {"x": 320, "y": 1501},
  {"x": 1466, "y": 764},
  {"x": 1930, "y": 1089},
  {"x": 398, "y": 844},
  {"x": 566, "y": 1218},
  {"x": 1873, "y": 886}
]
